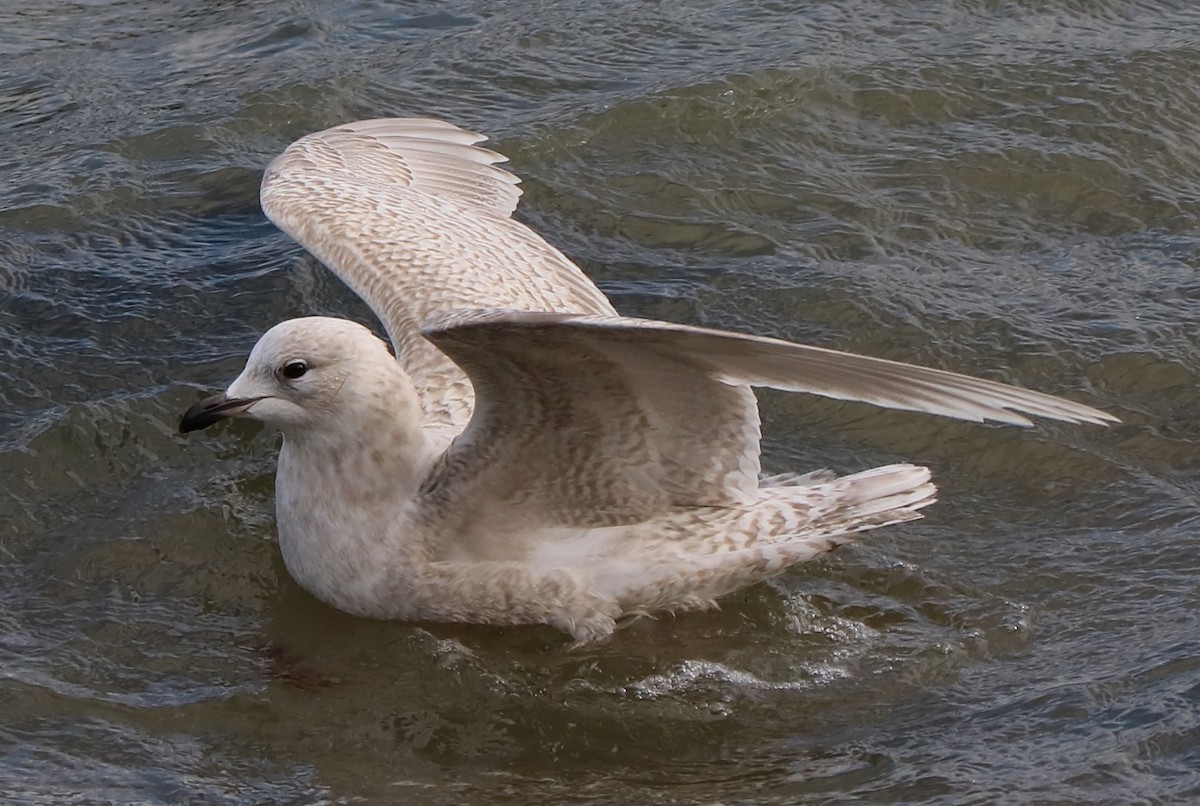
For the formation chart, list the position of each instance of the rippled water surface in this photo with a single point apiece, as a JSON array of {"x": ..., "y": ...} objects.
[{"x": 1006, "y": 188}]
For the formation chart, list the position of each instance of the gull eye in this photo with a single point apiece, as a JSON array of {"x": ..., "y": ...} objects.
[{"x": 294, "y": 369}]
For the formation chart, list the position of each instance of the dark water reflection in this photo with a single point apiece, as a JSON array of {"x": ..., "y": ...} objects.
[{"x": 1009, "y": 189}]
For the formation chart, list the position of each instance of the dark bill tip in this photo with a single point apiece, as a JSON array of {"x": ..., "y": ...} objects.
[{"x": 213, "y": 409}]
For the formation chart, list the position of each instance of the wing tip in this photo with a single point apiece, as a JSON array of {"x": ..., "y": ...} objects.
[{"x": 1068, "y": 411}]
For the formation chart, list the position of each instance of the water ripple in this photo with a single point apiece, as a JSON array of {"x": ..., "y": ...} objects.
[{"x": 1006, "y": 189}]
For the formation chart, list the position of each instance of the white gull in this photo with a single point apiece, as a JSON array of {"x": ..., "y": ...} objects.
[{"x": 528, "y": 455}]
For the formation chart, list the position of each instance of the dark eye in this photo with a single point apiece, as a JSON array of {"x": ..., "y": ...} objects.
[{"x": 294, "y": 369}]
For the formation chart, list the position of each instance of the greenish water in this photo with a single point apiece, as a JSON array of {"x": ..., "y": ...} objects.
[{"x": 1005, "y": 188}]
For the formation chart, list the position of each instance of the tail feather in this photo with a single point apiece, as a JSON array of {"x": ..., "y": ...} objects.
[
  {"x": 828, "y": 514},
  {"x": 884, "y": 490}
]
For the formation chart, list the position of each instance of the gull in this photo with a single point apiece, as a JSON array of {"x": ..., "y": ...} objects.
[{"x": 527, "y": 455}]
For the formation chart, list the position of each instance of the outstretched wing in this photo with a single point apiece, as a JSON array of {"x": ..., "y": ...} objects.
[
  {"x": 591, "y": 421},
  {"x": 417, "y": 219}
]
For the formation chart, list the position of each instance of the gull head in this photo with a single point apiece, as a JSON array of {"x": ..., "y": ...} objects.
[{"x": 300, "y": 375}]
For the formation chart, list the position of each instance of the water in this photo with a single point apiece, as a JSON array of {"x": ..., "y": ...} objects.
[{"x": 1005, "y": 188}]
